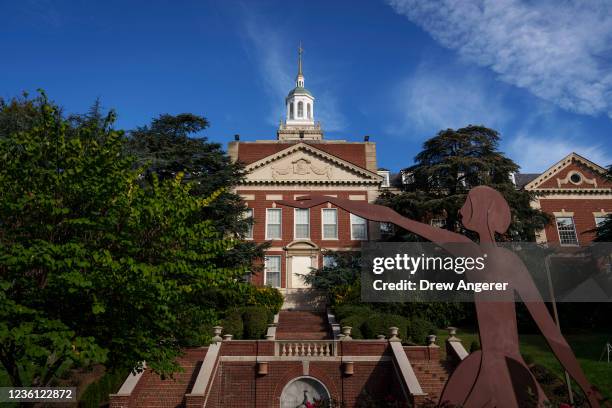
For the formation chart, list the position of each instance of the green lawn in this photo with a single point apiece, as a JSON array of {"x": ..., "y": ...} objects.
[{"x": 587, "y": 347}]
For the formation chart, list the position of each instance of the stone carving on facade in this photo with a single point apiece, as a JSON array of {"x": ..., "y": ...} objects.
[{"x": 301, "y": 167}]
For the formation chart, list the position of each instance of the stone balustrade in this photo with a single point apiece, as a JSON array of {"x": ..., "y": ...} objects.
[{"x": 305, "y": 348}]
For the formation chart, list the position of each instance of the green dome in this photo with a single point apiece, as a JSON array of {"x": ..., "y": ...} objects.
[{"x": 299, "y": 90}]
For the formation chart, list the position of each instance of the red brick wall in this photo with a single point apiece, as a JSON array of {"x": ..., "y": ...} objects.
[
  {"x": 259, "y": 206},
  {"x": 583, "y": 210},
  {"x": 351, "y": 152},
  {"x": 238, "y": 385}
]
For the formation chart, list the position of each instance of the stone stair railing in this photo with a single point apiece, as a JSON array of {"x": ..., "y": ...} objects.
[{"x": 305, "y": 348}]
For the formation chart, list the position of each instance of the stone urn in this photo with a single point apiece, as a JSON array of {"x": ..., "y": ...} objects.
[
  {"x": 346, "y": 333},
  {"x": 393, "y": 331},
  {"x": 217, "y": 334}
]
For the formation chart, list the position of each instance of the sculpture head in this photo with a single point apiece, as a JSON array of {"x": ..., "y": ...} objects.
[{"x": 485, "y": 209}]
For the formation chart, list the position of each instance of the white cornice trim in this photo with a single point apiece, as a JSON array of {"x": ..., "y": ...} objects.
[{"x": 560, "y": 165}]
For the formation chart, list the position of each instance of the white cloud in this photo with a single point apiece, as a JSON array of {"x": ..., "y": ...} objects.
[
  {"x": 278, "y": 69},
  {"x": 433, "y": 99},
  {"x": 536, "y": 154},
  {"x": 559, "y": 51}
]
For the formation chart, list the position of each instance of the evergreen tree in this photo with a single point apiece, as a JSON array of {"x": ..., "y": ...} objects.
[
  {"x": 450, "y": 164},
  {"x": 174, "y": 143}
]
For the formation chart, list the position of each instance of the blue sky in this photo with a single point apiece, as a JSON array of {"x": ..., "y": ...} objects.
[{"x": 398, "y": 70}]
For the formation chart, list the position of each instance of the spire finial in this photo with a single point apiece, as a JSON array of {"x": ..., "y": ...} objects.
[{"x": 300, "y": 51}]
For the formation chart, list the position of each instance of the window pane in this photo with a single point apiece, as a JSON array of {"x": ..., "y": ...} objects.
[
  {"x": 567, "y": 231},
  {"x": 272, "y": 268},
  {"x": 329, "y": 261},
  {"x": 274, "y": 232},
  {"x": 359, "y": 231},
  {"x": 273, "y": 226},
  {"x": 302, "y": 226},
  {"x": 330, "y": 231},
  {"x": 274, "y": 216},
  {"x": 358, "y": 227},
  {"x": 329, "y": 216},
  {"x": 330, "y": 223},
  {"x": 301, "y": 231},
  {"x": 301, "y": 216},
  {"x": 249, "y": 216},
  {"x": 599, "y": 221}
]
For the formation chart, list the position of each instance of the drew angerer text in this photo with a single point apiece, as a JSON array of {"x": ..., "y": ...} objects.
[{"x": 424, "y": 284}]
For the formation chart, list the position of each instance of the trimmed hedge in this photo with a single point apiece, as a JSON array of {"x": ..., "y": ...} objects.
[
  {"x": 255, "y": 320},
  {"x": 376, "y": 324},
  {"x": 344, "y": 311},
  {"x": 418, "y": 329},
  {"x": 355, "y": 321},
  {"x": 232, "y": 324}
]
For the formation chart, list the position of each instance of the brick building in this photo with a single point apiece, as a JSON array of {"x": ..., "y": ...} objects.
[
  {"x": 576, "y": 193},
  {"x": 297, "y": 163},
  {"x": 305, "y": 357}
]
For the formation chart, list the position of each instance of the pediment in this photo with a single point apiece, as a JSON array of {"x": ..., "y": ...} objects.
[
  {"x": 304, "y": 164},
  {"x": 572, "y": 173}
]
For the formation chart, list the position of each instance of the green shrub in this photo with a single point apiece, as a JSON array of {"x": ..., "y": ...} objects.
[
  {"x": 347, "y": 310},
  {"x": 355, "y": 321},
  {"x": 474, "y": 346},
  {"x": 232, "y": 324},
  {"x": 255, "y": 320},
  {"x": 271, "y": 298},
  {"x": 418, "y": 329},
  {"x": 379, "y": 323}
]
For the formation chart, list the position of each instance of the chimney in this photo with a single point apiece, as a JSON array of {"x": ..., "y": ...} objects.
[{"x": 236, "y": 137}]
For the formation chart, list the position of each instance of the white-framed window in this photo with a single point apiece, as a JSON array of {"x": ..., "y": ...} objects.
[
  {"x": 273, "y": 223},
  {"x": 438, "y": 222},
  {"x": 291, "y": 110},
  {"x": 599, "y": 220},
  {"x": 386, "y": 181},
  {"x": 273, "y": 271},
  {"x": 329, "y": 261},
  {"x": 308, "y": 111},
  {"x": 248, "y": 215},
  {"x": 301, "y": 220},
  {"x": 300, "y": 109},
  {"x": 359, "y": 228},
  {"x": 329, "y": 218},
  {"x": 567, "y": 231}
]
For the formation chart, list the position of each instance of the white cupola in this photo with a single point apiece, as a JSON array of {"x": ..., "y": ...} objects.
[{"x": 299, "y": 120}]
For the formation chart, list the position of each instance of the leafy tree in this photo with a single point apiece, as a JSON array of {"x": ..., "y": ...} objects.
[
  {"x": 94, "y": 265},
  {"x": 173, "y": 143},
  {"x": 450, "y": 164}
]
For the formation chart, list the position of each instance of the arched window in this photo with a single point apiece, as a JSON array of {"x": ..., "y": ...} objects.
[
  {"x": 308, "y": 113},
  {"x": 300, "y": 109},
  {"x": 291, "y": 110}
]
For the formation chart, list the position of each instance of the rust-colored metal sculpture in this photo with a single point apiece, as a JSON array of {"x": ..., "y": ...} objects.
[{"x": 496, "y": 375}]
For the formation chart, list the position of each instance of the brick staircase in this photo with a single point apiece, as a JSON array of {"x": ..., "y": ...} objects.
[
  {"x": 432, "y": 375},
  {"x": 153, "y": 392},
  {"x": 302, "y": 325}
]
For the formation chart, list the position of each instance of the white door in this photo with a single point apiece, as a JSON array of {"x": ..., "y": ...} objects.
[{"x": 300, "y": 265}]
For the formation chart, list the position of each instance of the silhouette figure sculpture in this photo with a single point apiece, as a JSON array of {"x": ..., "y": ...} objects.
[{"x": 496, "y": 375}]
